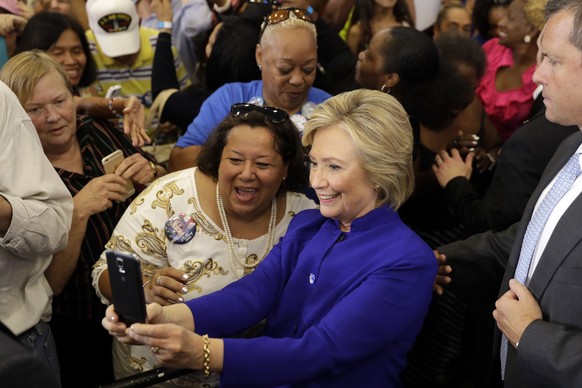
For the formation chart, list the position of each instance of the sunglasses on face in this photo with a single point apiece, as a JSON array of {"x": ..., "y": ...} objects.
[
  {"x": 283, "y": 14},
  {"x": 275, "y": 115}
]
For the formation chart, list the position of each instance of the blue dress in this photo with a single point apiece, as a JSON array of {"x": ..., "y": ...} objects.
[{"x": 342, "y": 309}]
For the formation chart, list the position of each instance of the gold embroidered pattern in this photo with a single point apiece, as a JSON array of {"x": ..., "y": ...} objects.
[
  {"x": 119, "y": 243},
  {"x": 151, "y": 242},
  {"x": 136, "y": 363},
  {"x": 197, "y": 269},
  {"x": 140, "y": 199},
  {"x": 164, "y": 196}
]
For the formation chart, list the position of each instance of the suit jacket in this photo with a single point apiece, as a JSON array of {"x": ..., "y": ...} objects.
[
  {"x": 550, "y": 350},
  {"x": 520, "y": 165}
]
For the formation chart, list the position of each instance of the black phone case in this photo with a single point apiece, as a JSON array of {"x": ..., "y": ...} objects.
[{"x": 126, "y": 287}]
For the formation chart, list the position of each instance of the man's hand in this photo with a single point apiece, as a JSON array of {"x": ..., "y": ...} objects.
[{"x": 515, "y": 310}]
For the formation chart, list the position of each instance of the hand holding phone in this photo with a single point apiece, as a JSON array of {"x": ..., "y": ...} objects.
[
  {"x": 126, "y": 287},
  {"x": 110, "y": 164}
]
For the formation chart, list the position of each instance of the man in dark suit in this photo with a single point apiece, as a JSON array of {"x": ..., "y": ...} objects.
[{"x": 541, "y": 318}]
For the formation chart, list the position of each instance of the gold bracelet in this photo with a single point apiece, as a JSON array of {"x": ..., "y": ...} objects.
[
  {"x": 154, "y": 169},
  {"x": 206, "y": 364}
]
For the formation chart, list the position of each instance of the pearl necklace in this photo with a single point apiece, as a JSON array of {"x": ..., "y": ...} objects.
[{"x": 232, "y": 254}]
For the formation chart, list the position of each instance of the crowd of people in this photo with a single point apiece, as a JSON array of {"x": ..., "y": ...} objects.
[{"x": 346, "y": 200}]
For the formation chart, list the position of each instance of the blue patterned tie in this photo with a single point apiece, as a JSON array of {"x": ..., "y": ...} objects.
[{"x": 562, "y": 184}]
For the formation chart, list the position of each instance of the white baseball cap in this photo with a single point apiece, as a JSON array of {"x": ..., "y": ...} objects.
[{"x": 115, "y": 24}]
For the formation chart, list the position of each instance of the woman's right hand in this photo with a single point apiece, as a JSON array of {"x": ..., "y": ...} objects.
[
  {"x": 98, "y": 195},
  {"x": 166, "y": 287}
]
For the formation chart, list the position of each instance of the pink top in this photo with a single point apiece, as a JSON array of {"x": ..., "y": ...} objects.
[{"x": 507, "y": 109}]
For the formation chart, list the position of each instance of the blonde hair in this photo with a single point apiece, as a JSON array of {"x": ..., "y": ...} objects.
[
  {"x": 380, "y": 129},
  {"x": 22, "y": 72},
  {"x": 291, "y": 23},
  {"x": 535, "y": 12}
]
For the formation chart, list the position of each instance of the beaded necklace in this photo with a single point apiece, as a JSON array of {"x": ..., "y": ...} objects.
[{"x": 232, "y": 254}]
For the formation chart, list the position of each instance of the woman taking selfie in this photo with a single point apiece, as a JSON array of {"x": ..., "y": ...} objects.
[
  {"x": 200, "y": 229},
  {"x": 345, "y": 291}
]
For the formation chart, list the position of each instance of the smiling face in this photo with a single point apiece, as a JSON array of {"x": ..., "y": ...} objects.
[
  {"x": 513, "y": 27},
  {"x": 52, "y": 111},
  {"x": 68, "y": 51},
  {"x": 370, "y": 67},
  {"x": 250, "y": 171},
  {"x": 342, "y": 186},
  {"x": 288, "y": 58},
  {"x": 560, "y": 71},
  {"x": 494, "y": 16}
]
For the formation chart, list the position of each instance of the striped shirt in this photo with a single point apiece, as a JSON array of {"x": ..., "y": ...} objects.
[
  {"x": 135, "y": 80},
  {"x": 97, "y": 140}
]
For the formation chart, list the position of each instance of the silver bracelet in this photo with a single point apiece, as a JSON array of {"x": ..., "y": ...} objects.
[
  {"x": 492, "y": 160},
  {"x": 224, "y": 7}
]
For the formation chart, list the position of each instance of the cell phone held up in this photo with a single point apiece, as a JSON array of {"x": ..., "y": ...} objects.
[
  {"x": 110, "y": 164},
  {"x": 126, "y": 287}
]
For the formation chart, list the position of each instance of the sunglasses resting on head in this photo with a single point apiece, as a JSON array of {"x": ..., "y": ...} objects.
[
  {"x": 275, "y": 115},
  {"x": 283, "y": 14}
]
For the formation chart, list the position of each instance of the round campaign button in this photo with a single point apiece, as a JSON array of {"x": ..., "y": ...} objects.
[{"x": 180, "y": 228}]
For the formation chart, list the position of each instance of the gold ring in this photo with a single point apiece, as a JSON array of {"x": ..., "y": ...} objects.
[{"x": 154, "y": 349}]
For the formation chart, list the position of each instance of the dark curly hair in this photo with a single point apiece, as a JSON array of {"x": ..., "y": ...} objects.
[
  {"x": 44, "y": 29},
  {"x": 286, "y": 140},
  {"x": 449, "y": 93}
]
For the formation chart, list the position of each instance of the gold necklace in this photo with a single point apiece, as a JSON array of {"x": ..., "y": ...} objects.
[{"x": 232, "y": 254}]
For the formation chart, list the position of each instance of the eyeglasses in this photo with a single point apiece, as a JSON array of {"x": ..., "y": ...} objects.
[
  {"x": 283, "y": 14},
  {"x": 275, "y": 115}
]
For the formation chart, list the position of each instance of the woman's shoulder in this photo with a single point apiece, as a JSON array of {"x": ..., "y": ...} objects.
[
  {"x": 235, "y": 92},
  {"x": 297, "y": 202},
  {"x": 317, "y": 95},
  {"x": 495, "y": 52},
  {"x": 306, "y": 220}
]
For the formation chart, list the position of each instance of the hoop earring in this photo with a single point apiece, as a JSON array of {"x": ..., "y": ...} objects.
[
  {"x": 385, "y": 89},
  {"x": 527, "y": 39}
]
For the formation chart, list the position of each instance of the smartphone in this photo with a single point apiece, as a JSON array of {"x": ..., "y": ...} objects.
[
  {"x": 126, "y": 287},
  {"x": 110, "y": 163}
]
